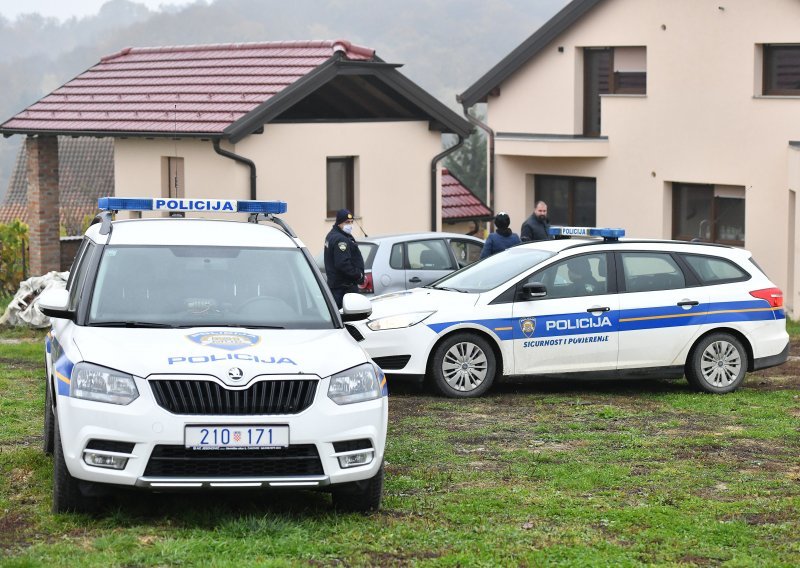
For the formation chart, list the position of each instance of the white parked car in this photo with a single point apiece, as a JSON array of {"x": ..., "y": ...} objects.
[
  {"x": 197, "y": 354},
  {"x": 603, "y": 308}
]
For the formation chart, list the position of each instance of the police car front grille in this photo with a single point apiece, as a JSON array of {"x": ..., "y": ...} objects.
[
  {"x": 177, "y": 461},
  {"x": 210, "y": 398}
]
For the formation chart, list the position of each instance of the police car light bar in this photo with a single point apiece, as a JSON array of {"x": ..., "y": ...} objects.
[
  {"x": 199, "y": 205},
  {"x": 606, "y": 233}
]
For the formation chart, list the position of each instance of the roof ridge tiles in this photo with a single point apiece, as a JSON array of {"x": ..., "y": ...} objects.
[{"x": 335, "y": 45}]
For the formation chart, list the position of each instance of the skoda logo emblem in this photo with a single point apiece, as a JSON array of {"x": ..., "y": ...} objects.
[{"x": 235, "y": 374}]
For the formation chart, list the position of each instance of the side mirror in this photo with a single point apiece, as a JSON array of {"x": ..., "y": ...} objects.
[
  {"x": 54, "y": 303},
  {"x": 355, "y": 307},
  {"x": 532, "y": 290}
]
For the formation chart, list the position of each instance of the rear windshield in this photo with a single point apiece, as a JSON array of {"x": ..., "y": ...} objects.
[
  {"x": 187, "y": 286},
  {"x": 368, "y": 251}
]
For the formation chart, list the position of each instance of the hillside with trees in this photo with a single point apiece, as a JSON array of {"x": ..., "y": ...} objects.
[{"x": 444, "y": 45}]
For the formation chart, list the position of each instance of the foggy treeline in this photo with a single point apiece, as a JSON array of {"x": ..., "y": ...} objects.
[{"x": 444, "y": 45}]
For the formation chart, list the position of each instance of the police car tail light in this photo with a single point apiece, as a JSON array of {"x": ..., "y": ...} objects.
[
  {"x": 93, "y": 382},
  {"x": 367, "y": 287},
  {"x": 772, "y": 295},
  {"x": 355, "y": 385}
]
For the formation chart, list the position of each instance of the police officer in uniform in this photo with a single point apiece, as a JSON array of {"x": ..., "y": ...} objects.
[{"x": 344, "y": 265}]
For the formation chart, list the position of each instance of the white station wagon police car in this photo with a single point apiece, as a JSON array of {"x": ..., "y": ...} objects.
[
  {"x": 591, "y": 308},
  {"x": 207, "y": 354}
]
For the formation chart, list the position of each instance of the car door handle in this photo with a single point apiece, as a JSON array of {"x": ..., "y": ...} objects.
[
  {"x": 688, "y": 303},
  {"x": 599, "y": 309},
  {"x": 415, "y": 279}
]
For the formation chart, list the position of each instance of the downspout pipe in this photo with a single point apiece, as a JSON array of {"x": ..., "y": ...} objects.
[
  {"x": 490, "y": 134},
  {"x": 434, "y": 193},
  {"x": 242, "y": 160}
]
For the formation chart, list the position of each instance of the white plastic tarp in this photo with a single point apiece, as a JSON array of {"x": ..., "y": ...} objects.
[{"x": 24, "y": 309}]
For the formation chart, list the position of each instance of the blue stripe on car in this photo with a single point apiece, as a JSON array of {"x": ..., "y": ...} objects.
[{"x": 583, "y": 323}]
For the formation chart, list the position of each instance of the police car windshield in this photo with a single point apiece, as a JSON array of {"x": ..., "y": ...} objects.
[
  {"x": 187, "y": 286},
  {"x": 493, "y": 271}
]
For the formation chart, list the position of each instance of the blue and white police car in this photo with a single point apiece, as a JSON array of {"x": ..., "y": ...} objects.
[
  {"x": 597, "y": 308},
  {"x": 207, "y": 354}
]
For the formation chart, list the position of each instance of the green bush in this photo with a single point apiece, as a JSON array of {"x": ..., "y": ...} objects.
[{"x": 13, "y": 256}]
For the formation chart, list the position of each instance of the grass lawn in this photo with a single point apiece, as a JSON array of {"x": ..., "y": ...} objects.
[{"x": 591, "y": 474}]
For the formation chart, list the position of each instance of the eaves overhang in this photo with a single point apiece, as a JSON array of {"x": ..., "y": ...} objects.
[
  {"x": 555, "y": 26},
  {"x": 439, "y": 115}
]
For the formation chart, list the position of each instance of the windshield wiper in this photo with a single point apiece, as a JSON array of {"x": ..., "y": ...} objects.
[
  {"x": 147, "y": 324},
  {"x": 450, "y": 289}
]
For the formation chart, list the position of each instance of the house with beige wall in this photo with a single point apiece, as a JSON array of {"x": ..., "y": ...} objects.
[
  {"x": 676, "y": 119},
  {"x": 322, "y": 125}
]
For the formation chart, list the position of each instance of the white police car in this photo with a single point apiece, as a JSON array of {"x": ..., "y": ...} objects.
[
  {"x": 207, "y": 354},
  {"x": 596, "y": 308}
]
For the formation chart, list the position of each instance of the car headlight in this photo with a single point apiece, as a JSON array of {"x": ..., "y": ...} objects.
[
  {"x": 355, "y": 385},
  {"x": 93, "y": 382},
  {"x": 398, "y": 321}
]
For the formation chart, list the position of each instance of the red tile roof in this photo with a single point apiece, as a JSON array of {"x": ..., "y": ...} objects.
[
  {"x": 85, "y": 171},
  {"x": 199, "y": 89},
  {"x": 458, "y": 202}
]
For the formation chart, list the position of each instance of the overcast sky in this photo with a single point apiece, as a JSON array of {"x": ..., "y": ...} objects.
[{"x": 64, "y": 9}]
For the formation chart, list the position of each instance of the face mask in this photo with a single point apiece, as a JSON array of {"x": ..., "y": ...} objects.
[{"x": 348, "y": 229}]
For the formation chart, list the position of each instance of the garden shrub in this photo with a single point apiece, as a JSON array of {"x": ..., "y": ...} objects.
[{"x": 13, "y": 256}]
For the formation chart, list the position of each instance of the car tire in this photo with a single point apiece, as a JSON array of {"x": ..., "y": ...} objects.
[
  {"x": 67, "y": 496},
  {"x": 463, "y": 366},
  {"x": 359, "y": 496},
  {"x": 717, "y": 364},
  {"x": 48, "y": 433}
]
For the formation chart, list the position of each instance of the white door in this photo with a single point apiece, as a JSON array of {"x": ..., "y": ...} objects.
[
  {"x": 660, "y": 312},
  {"x": 574, "y": 326}
]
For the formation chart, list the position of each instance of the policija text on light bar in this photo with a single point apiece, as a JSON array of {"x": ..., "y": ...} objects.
[{"x": 199, "y": 204}]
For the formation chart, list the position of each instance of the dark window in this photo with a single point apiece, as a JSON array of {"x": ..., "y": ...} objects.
[
  {"x": 597, "y": 81},
  {"x": 648, "y": 272},
  {"x": 340, "y": 185},
  {"x": 570, "y": 200},
  {"x": 396, "y": 259},
  {"x": 782, "y": 70},
  {"x": 584, "y": 275},
  {"x": 700, "y": 214},
  {"x": 77, "y": 275},
  {"x": 429, "y": 255},
  {"x": 610, "y": 70},
  {"x": 466, "y": 252},
  {"x": 712, "y": 270}
]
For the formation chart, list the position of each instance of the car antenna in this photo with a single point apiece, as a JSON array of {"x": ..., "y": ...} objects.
[{"x": 360, "y": 227}]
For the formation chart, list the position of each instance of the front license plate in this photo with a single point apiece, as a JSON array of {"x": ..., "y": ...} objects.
[{"x": 261, "y": 437}]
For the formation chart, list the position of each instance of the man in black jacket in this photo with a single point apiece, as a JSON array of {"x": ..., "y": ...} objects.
[
  {"x": 535, "y": 227},
  {"x": 344, "y": 265}
]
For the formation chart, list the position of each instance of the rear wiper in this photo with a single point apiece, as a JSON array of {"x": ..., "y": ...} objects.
[{"x": 147, "y": 324}]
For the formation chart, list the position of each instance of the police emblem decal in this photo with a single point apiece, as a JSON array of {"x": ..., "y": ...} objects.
[
  {"x": 342, "y": 247},
  {"x": 228, "y": 340},
  {"x": 528, "y": 326}
]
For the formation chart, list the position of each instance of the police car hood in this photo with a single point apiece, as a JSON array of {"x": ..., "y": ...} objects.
[
  {"x": 215, "y": 351},
  {"x": 420, "y": 300}
]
